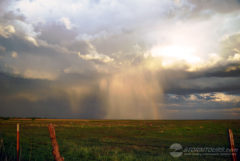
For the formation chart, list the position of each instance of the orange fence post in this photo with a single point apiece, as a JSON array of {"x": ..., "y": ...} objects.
[
  {"x": 17, "y": 142},
  {"x": 55, "y": 151},
  {"x": 231, "y": 139}
]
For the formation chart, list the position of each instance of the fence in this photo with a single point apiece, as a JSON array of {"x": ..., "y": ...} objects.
[{"x": 55, "y": 147}]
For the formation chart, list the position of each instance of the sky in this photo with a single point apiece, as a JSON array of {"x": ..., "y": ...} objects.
[{"x": 120, "y": 59}]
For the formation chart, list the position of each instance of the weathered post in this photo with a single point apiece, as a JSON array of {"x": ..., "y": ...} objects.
[
  {"x": 18, "y": 142},
  {"x": 55, "y": 147},
  {"x": 231, "y": 140}
]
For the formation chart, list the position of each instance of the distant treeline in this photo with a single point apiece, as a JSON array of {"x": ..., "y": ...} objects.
[{"x": 32, "y": 118}]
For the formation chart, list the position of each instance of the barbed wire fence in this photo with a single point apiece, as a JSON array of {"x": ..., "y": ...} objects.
[{"x": 35, "y": 144}]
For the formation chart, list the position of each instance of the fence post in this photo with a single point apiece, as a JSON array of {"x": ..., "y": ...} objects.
[
  {"x": 55, "y": 147},
  {"x": 231, "y": 140},
  {"x": 18, "y": 142}
]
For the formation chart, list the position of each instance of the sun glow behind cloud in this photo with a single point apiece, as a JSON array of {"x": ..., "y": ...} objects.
[{"x": 174, "y": 53}]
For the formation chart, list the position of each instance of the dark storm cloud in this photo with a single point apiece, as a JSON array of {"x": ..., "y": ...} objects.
[
  {"x": 224, "y": 72},
  {"x": 11, "y": 84},
  {"x": 21, "y": 97},
  {"x": 202, "y": 82},
  {"x": 16, "y": 43}
]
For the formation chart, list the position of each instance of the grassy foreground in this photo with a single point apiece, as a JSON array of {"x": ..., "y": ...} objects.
[{"x": 115, "y": 140}]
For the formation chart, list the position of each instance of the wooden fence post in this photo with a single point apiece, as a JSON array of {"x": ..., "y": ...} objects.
[
  {"x": 18, "y": 142},
  {"x": 55, "y": 151},
  {"x": 231, "y": 140}
]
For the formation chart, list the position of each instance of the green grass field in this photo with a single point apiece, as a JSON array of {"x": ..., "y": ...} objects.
[{"x": 115, "y": 140}]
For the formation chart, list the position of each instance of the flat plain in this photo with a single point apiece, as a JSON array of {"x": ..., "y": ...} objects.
[{"x": 117, "y": 140}]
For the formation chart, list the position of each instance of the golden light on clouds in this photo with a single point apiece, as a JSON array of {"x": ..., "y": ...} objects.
[{"x": 7, "y": 31}]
